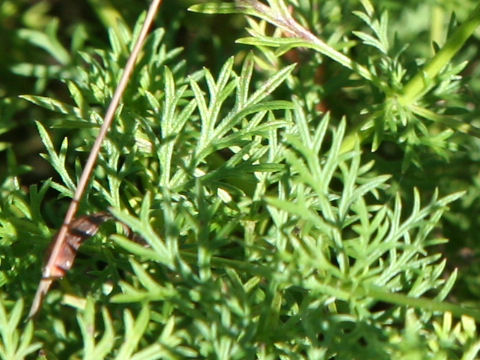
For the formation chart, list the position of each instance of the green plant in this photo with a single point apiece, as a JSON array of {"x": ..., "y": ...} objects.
[{"x": 270, "y": 221}]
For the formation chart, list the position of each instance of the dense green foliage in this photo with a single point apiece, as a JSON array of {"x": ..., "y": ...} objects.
[{"x": 303, "y": 176}]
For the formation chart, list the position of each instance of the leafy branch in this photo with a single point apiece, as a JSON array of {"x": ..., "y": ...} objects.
[
  {"x": 245, "y": 198},
  {"x": 402, "y": 100}
]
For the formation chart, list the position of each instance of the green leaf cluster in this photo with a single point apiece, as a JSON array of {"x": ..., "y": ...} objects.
[{"x": 266, "y": 219}]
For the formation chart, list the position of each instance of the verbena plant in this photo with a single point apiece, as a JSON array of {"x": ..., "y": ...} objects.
[{"x": 271, "y": 224}]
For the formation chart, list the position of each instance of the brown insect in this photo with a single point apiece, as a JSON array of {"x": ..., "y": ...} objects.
[
  {"x": 74, "y": 231},
  {"x": 77, "y": 232}
]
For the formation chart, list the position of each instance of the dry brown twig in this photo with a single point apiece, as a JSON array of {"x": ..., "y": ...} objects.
[{"x": 67, "y": 235}]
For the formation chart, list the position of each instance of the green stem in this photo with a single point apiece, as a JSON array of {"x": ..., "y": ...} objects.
[
  {"x": 234, "y": 264},
  {"x": 421, "y": 303},
  {"x": 417, "y": 85},
  {"x": 437, "y": 27}
]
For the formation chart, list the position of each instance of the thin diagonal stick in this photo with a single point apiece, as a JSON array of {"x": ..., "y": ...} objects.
[{"x": 47, "y": 279}]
